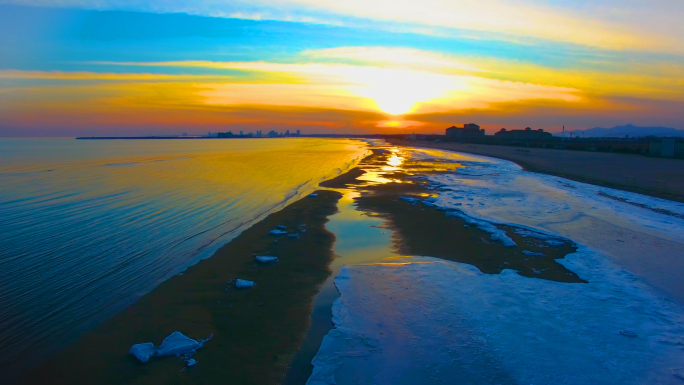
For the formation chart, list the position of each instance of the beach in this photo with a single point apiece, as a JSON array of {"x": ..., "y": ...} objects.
[
  {"x": 473, "y": 244},
  {"x": 657, "y": 177}
]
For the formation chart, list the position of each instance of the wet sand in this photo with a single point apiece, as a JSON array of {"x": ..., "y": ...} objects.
[
  {"x": 255, "y": 331},
  {"x": 656, "y": 177},
  {"x": 269, "y": 334}
]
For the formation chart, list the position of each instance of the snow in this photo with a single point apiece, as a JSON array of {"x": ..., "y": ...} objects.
[
  {"x": 621, "y": 225},
  {"x": 410, "y": 323},
  {"x": 426, "y": 320}
]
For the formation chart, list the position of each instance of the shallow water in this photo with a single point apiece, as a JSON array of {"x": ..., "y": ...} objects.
[{"x": 88, "y": 226}]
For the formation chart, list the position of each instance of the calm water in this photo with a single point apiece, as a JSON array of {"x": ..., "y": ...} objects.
[{"x": 88, "y": 226}]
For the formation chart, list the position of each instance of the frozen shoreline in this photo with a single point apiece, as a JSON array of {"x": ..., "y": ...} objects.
[
  {"x": 429, "y": 320},
  {"x": 621, "y": 225}
]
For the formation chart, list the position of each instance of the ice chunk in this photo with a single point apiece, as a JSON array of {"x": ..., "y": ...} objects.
[
  {"x": 554, "y": 243},
  {"x": 313, "y": 195},
  {"x": 277, "y": 232},
  {"x": 532, "y": 253},
  {"x": 281, "y": 227},
  {"x": 143, "y": 352},
  {"x": 266, "y": 259},
  {"x": 177, "y": 343},
  {"x": 243, "y": 283},
  {"x": 191, "y": 363}
]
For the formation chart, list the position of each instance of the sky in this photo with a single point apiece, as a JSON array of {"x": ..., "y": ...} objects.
[{"x": 163, "y": 67}]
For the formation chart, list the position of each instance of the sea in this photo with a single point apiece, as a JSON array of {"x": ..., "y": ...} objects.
[{"x": 89, "y": 226}]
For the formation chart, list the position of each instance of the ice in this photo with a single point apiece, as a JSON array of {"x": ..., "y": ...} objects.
[
  {"x": 409, "y": 323},
  {"x": 313, "y": 195},
  {"x": 532, "y": 253},
  {"x": 495, "y": 233},
  {"x": 621, "y": 225},
  {"x": 191, "y": 363},
  {"x": 266, "y": 259},
  {"x": 243, "y": 283},
  {"x": 143, "y": 352},
  {"x": 176, "y": 344},
  {"x": 277, "y": 232}
]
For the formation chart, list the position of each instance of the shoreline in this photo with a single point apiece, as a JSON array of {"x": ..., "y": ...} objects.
[
  {"x": 256, "y": 331},
  {"x": 655, "y": 177}
]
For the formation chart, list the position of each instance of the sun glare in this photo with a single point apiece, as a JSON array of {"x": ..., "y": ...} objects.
[{"x": 397, "y": 91}]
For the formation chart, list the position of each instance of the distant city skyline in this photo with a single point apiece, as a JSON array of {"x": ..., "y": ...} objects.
[{"x": 115, "y": 68}]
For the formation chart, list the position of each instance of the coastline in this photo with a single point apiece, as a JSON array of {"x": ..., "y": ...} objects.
[
  {"x": 656, "y": 177},
  {"x": 269, "y": 334},
  {"x": 260, "y": 332}
]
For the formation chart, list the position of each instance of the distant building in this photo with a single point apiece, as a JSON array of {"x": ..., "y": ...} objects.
[
  {"x": 526, "y": 134},
  {"x": 468, "y": 131},
  {"x": 412, "y": 137},
  {"x": 298, "y": 133},
  {"x": 272, "y": 133},
  {"x": 667, "y": 147}
]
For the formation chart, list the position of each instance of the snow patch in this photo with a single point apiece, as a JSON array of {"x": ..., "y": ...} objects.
[{"x": 410, "y": 323}]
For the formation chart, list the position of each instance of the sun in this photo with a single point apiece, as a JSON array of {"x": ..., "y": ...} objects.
[{"x": 399, "y": 91}]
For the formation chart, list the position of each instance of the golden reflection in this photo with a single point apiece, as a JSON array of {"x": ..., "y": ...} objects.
[{"x": 397, "y": 257}]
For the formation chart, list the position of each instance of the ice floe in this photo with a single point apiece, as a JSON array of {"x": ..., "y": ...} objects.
[
  {"x": 431, "y": 321},
  {"x": 277, "y": 232}
]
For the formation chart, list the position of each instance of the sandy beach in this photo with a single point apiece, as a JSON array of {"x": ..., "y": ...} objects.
[{"x": 657, "y": 177}]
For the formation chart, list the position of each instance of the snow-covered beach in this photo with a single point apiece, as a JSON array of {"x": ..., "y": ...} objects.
[{"x": 425, "y": 320}]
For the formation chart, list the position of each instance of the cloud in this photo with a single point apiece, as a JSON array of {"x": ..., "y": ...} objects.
[
  {"x": 428, "y": 84},
  {"x": 653, "y": 25}
]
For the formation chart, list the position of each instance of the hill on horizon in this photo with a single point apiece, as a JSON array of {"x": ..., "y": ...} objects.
[{"x": 622, "y": 131}]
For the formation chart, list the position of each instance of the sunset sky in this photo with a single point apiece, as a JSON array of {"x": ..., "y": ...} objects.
[{"x": 122, "y": 67}]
